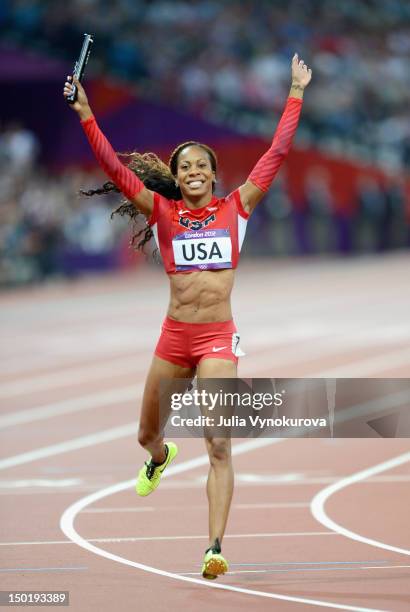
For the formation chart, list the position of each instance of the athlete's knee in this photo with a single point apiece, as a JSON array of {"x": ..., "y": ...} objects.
[
  {"x": 219, "y": 450},
  {"x": 147, "y": 436}
]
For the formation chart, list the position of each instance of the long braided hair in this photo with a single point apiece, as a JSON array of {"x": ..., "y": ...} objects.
[{"x": 157, "y": 176}]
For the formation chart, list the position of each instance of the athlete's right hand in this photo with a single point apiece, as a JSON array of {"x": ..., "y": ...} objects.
[{"x": 81, "y": 105}]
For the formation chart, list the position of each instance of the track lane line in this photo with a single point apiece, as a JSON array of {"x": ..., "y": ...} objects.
[
  {"x": 70, "y": 514},
  {"x": 72, "y": 405},
  {"x": 317, "y": 505},
  {"x": 106, "y": 435},
  {"x": 42, "y": 569},
  {"x": 369, "y": 366},
  {"x": 276, "y": 505},
  {"x": 125, "y": 539},
  {"x": 307, "y": 569},
  {"x": 75, "y": 376}
]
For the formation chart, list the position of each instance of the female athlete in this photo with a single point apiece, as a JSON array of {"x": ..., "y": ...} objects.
[{"x": 199, "y": 237}]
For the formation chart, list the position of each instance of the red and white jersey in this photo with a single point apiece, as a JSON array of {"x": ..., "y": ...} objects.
[{"x": 207, "y": 238}]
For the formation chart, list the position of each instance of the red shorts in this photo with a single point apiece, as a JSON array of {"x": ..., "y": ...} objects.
[{"x": 186, "y": 344}]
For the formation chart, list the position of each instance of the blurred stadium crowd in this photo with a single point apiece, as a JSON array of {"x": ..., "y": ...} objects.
[
  {"x": 230, "y": 60},
  {"x": 227, "y": 61},
  {"x": 45, "y": 226}
]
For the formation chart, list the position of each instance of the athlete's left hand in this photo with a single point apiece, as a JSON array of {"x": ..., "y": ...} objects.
[{"x": 301, "y": 74}]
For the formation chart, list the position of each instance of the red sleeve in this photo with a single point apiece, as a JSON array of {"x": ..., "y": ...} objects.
[
  {"x": 267, "y": 167},
  {"x": 121, "y": 176}
]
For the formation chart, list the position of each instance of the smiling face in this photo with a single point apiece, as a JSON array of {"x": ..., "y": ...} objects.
[{"x": 194, "y": 172}]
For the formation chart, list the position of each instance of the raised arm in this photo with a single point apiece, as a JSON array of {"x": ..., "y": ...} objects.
[
  {"x": 126, "y": 180},
  {"x": 261, "y": 177}
]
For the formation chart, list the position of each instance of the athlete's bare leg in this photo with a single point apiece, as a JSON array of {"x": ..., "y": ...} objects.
[
  {"x": 220, "y": 477},
  {"x": 149, "y": 434}
]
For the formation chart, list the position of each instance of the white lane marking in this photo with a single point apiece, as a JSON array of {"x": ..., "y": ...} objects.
[
  {"x": 107, "y": 435},
  {"x": 385, "y": 566},
  {"x": 365, "y": 367},
  {"x": 109, "y": 510},
  {"x": 71, "y": 373},
  {"x": 277, "y": 505},
  {"x": 306, "y": 569},
  {"x": 32, "y": 491},
  {"x": 305, "y": 563},
  {"x": 317, "y": 505},
  {"x": 38, "y": 543},
  {"x": 298, "y": 534},
  {"x": 130, "y": 393},
  {"x": 75, "y": 404},
  {"x": 79, "y": 356},
  {"x": 74, "y": 376},
  {"x": 189, "y": 485},
  {"x": 303, "y": 351},
  {"x": 292, "y": 534},
  {"x": 69, "y": 516},
  {"x": 270, "y": 478},
  {"x": 42, "y": 569},
  {"x": 39, "y": 482},
  {"x": 272, "y": 505}
]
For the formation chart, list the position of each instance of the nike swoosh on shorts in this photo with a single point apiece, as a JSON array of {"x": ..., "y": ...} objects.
[{"x": 216, "y": 350}]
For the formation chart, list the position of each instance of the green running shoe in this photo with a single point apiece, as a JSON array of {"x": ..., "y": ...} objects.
[
  {"x": 214, "y": 563},
  {"x": 150, "y": 474}
]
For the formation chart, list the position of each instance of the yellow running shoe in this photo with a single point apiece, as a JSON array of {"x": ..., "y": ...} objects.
[
  {"x": 150, "y": 474},
  {"x": 214, "y": 563}
]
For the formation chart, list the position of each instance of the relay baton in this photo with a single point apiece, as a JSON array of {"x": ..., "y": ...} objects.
[{"x": 80, "y": 65}]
